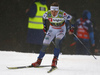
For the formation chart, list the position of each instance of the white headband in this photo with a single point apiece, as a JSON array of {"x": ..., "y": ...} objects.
[{"x": 56, "y": 8}]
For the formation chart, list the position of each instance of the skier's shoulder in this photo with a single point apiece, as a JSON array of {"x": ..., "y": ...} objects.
[
  {"x": 62, "y": 12},
  {"x": 46, "y": 14}
]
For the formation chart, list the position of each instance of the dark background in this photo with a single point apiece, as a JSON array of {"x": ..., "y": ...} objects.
[{"x": 13, "y": 22}]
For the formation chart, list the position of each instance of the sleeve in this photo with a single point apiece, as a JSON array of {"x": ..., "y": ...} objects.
[
  {"x": 91, "y": 33},
  {"x": 32, "y": 11},
  {"x": 67, "y": 16},
  {"x": 90, "y": 26},
  {"x": 44, "y": 19},
  {"x": 44, "y": 22},
  {"x": 67, "y": 25},
  {"x": 45, "y": 16}
]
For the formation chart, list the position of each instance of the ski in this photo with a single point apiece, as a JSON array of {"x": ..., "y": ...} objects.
[
  {"x": 21, "y": 67},
  {"x": 52, "y": 69}
]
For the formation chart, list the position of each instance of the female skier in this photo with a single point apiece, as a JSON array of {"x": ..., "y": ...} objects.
[{"x": 57, "y": 30}]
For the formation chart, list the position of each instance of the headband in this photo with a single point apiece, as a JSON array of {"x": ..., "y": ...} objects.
[{"x": 56, "y": 8}]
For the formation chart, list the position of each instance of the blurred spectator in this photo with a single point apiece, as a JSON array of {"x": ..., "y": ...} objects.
[
  {"x": 84, "y": 31},
  {"x": 35, "y": 24}
]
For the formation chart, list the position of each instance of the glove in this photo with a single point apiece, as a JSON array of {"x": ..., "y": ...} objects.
[
  {"x": 71, "y": 30},
  {"x": 45, "y": 29}
]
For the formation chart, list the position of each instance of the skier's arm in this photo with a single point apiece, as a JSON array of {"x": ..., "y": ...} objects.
[
  {"x": 44, "y": 22},
  {"x": 67, "y": 18},
  {"x": 45, "y": 26},
  {"x": 67, "y": 25},
  {"x": 91, "y": 33}
]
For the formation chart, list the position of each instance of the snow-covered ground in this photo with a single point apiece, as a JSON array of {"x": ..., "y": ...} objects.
[{"x": 67, "y": 64}]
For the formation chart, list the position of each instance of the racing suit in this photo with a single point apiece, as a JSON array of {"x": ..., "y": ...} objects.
[{"x": 57, "y": 30}]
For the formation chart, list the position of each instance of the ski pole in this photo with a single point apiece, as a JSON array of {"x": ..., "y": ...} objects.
[
  {"x": 84, "y": 46},
  {"x": 53, "y": 43}
]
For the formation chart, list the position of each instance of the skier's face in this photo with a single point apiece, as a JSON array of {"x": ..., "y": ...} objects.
[{"x": 54, "y": 13}]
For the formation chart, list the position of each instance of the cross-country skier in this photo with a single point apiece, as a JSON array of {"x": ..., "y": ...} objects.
[{"x": 57, "y": 30}]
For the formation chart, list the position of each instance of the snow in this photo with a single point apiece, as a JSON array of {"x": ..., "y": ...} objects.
[{"x": 67, "y": 64}]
